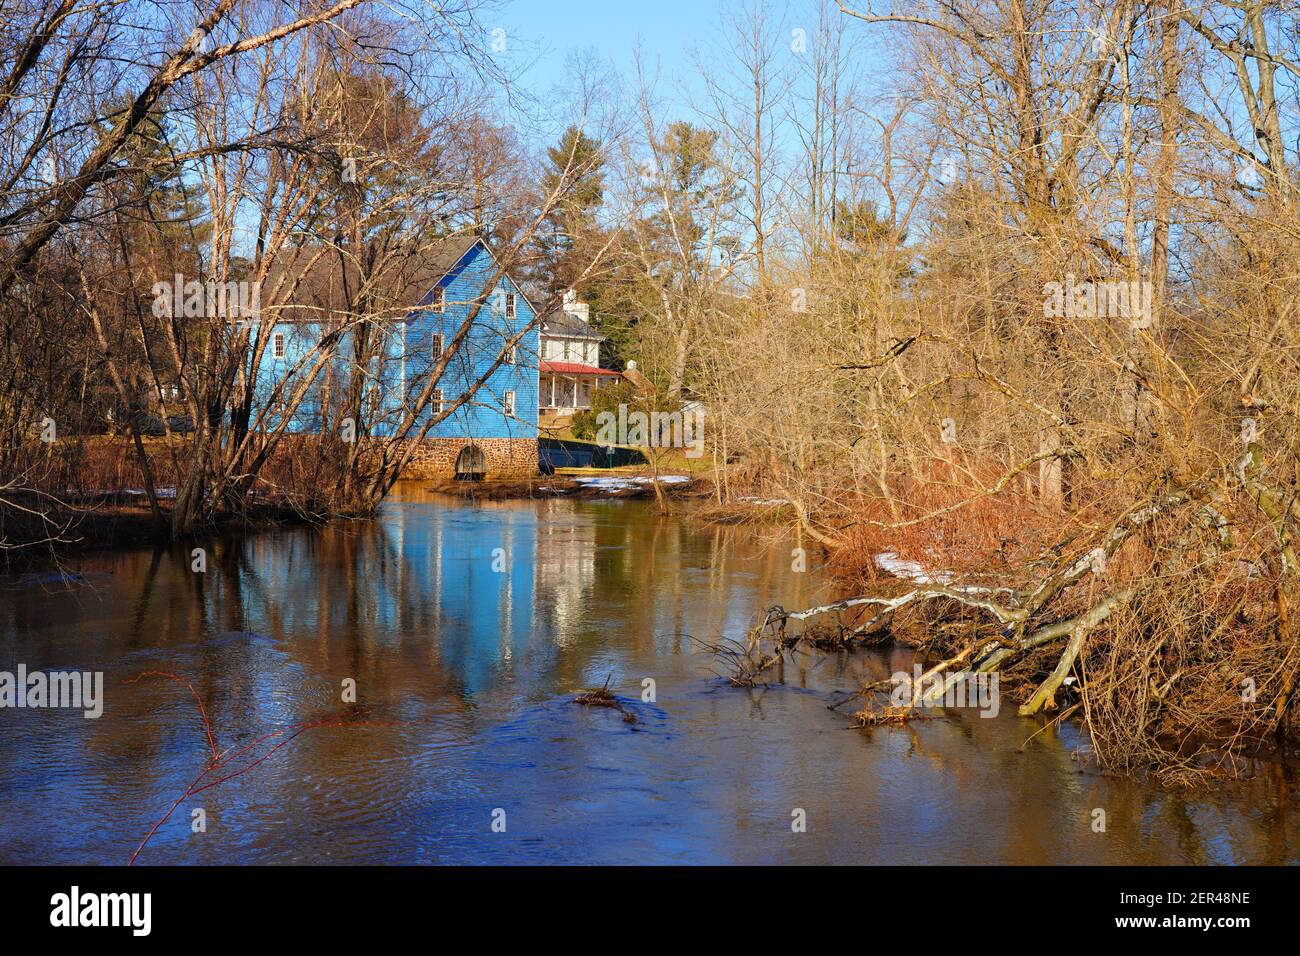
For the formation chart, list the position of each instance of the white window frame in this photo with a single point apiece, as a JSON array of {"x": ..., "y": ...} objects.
[
  {"x": 436, "y": 344},
  {"x": 508, "y": 402},
  {"x": 512, "y": 306},
  {"x": 439, "y": 306},
  {"x": 511, "y": 356},
  {"x": 439, "y": 401},
  {"x": 278, "y": 345}
]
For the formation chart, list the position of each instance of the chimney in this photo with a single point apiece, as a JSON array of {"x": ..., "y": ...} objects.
[
  {"x": 579, "y": 310},
  {"x": 639, "y": 382}
]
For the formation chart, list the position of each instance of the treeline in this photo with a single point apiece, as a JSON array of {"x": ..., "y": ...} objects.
[
  {"x": 1015, "y": 299},
  {"x": 1005, "y": 288},
  {"x": 172, "y": 183}
]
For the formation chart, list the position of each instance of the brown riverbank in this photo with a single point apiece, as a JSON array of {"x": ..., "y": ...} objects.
[
  {"x": 54, "y": 528},
  {"x": 121, "y": 520},
  {"x": 585, "y": 487}
]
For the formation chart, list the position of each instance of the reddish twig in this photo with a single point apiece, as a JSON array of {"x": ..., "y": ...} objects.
[
  {"x": 219, "y": 760},
  {"x": 203, "y": 713}
]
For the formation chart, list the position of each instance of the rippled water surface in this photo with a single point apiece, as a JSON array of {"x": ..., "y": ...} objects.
[{"x": 468, "y": 628}]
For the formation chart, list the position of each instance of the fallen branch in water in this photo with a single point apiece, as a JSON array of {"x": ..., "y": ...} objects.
[
  {"x": 604, "y": 697},
  {"x": 1150, "y": 648}
]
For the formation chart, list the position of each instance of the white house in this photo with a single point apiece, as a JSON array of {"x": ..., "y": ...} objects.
[{"x": 569, "y": 367}]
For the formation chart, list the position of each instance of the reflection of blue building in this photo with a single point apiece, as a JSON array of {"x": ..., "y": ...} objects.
[
  {"x": 459, "y": 342},
  {"x": 478, "y": 578},
  {"x": 448, "y": 592}
]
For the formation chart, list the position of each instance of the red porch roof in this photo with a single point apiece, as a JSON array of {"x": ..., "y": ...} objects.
[{"x": 574, "y": 368}]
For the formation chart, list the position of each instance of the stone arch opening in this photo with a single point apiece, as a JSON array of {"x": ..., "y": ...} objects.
[{"x": 471, "y": 464}]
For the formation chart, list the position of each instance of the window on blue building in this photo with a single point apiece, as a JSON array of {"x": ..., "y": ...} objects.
[
  {"x": 509, "y": 403},
  {"x": 277, "y": 345},
  {"x": 435, "y": 346}
]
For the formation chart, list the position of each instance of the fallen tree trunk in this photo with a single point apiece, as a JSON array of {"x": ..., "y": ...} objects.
[{"x": 1173, "y": 659}]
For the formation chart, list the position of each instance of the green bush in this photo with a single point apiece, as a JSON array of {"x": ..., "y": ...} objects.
[
  {"x": 609, "y": 397},
  {"x": 583, "y": 425}
]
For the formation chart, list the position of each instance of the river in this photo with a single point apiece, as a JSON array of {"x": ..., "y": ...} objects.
[{"x": 467, "y": 629}]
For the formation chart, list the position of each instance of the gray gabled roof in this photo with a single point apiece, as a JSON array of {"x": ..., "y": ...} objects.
[
  {"x": 559, "y": 323},
  {"x": 443, "y": 257},
  {"x": 311, "y": 284}
]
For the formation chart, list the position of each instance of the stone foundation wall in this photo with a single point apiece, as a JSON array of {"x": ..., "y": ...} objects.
[
  {"x": 505, "y": 457},
  {"x": 435, "y": 458}
]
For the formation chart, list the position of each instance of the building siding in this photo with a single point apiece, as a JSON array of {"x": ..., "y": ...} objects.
[
  {"x": 407, "y": 358},
  {"x": 483, "y": 416}
]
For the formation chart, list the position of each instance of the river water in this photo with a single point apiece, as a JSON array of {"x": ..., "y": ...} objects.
[{"x": 467, "y": 629}]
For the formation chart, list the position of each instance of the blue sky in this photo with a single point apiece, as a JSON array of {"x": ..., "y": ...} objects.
[
  {"x": 543, "y": 33},
  {"x": 540, "y": 35}
]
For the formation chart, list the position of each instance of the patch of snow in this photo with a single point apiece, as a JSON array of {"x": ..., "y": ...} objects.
[
  {"x": 162, "y": 492},
  {"x": 623, "y": 483},
  {"x": 763, "y": 502},
  {"x": 911, "y": 570}
]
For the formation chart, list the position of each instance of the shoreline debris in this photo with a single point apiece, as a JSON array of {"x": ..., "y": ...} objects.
[{"x": 604, "y": 697}]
